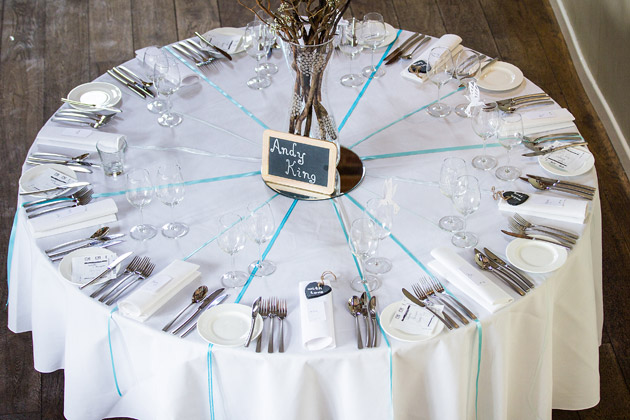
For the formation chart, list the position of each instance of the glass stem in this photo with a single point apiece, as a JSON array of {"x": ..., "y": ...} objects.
[
  {"x": 172, "y": 212},
  {"x": 167, "y": 108},
  {"x": 233, "y": 261},
  {"x": 484, "y": 145},
  {"x": 141, "y": 216},
  {"x": 439, "y": 85},
  {"x": 258, "y": 69},
  {"x": 465, "y": 225},
  {"x": 372, "y": 58},
  {"x": 259, "y": 254},
  {"x": 508, "y": 156}
]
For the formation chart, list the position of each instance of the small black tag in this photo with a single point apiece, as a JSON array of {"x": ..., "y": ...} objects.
[
  {"x": 314, "y": 290},
  {"x": 515, "y": 198}
]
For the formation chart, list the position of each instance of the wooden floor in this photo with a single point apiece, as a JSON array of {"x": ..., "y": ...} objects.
[{"x": 48, "y": 47}]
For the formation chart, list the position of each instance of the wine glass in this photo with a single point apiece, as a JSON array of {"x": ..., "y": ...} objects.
[
  {"x": 167, "y": 79},
  {"x": 485, "y": 122},
  {"x": 231, "y": 240},
  {"x": 452, "y": 169},
  {"x": 149, "y": 58},
  {"x": 372, "y": 34},
  {"x": 467, "y": 64},
  {"x": 268, "y": 68},
  {"x": 350, "y": 46},
  {"x": 171, "y": 192},
  {"x": 260, "y": 228},
  {"x": 510, "y": 135},
  {"x": 439, "y": 71},
  {"x": 382, "y": 212},
  {"x": 139, "y": 194},
  {"x": 256, "y": 44},
  {"x": 363, "y": 243},
  {"x": 466, "y": 197}
]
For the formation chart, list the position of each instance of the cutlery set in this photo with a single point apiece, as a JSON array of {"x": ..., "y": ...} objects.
[
  {"x": 503, "y": 271},
  {"x": 203, "y": 302},
  {"x": 514, "y": 104},
  {"x": 199, "y": 55},
  {"x": 549, "y": 184},
  {"x": 132, "y": 81},
  {"x": 269, "y": 308},
  {"x": 409, "y": 43},
  {"x": 77, "y": 164},
  {"x": 367, "y": 309},
  {"x": 522, "y": 228}
]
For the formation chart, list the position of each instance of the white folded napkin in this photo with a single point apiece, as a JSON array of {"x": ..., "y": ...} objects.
[
  {"x": 450, "y": 41},
  {"x": 67, "y": 220},
  {"x": 316, "y": 317},
  {"x": 543, "y": 120},
  {"x": 469, "y": 279},
  {"x": 549, "y": 206},
  {"x": 74, "y": 138},
  {"x": 158, "y": 289}
]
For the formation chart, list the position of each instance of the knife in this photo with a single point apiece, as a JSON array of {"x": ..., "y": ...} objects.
[
  {"x": 144, "y": 84},
  {"x": 586, "y": 188},
  {"x": 71, "y": 165},
  {"x": 133, "y": 82},
  {"x": 419, "y": 303},
  {"x": 216, "y": 302},
  {"x": 107, "y": 270},
  {"x": 37, "y": 157},
  {"x": 96, "y": 107},
  {"x": 133, "y": 88},
  {"x": 93, "y": 242},
  {"x": 487, "y": 64},
  {"x": 402, "y": 46},
  {"x": 405, "y": 48},
  {"x": 219, "y": 50},
  {"x": 553, "y": 149},
  {"x": 499, "y": 269},
  {"x": 523, "y": 236},
  {"x": 59, "y": 187},
  {"x": 495, "y": 258},
  {"x": 255, "y": 309},
  {"x": 105, "y": 244},
  {"x": 204, "y": 304}
]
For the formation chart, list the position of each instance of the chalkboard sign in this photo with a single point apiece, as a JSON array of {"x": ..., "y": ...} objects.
[{"x": 300, "y": 162}]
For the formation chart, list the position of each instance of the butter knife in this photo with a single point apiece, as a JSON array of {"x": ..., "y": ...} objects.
[
  {"x": 105, "y": 244},
  {"x": 255, "y": 309},
  {"x": 418, "y": 302},
  {"x": 404, "y": 49},
  {"x": 211, "y": 45},
  {"x": 557, "y": 182},
  {"x": 523, "y": 236},
  {"x": 133, "y": 82},
  {"x": 404, "y": 45},
  {"x": 204, "y": 304},
  {"x": 93, "y": 242},
  {"x": 131, "y": 87},
  {"x": 75, "y": 167},
  {"x": 214, "y": 303},
  {"x": 495, "y": 258},
  {"x": 59, "y": 187},
  {"x": 553, "y": 149},
  {"x": 94, "y": 106},
  {"x": 107, "y": 270}
]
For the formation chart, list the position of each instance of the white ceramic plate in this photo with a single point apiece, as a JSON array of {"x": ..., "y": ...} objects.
[
  {"x": 227, "y": 325},
  {"x": 500, "y": 76},
  {"x": 235, "y": 33},
  {"x": 37, "y": 178},
  {"x": 386, "y": 318},
  {"x": 65, "y": 266},
  {"x": 390, "y": 36},
  {"x": 587, "y": 165},
  {"x": 535, "y": 256},
  {"x": 97, "y": 93}
]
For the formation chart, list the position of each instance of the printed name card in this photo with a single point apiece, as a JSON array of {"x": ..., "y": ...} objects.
[
  {"x": 87, "y": 267},
  {"x": 300, "y": 162}
]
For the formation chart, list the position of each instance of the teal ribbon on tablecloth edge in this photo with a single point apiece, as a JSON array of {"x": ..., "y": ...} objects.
[
  {"x": 427, "y": 151},
  {"x": 10, "y": 254},
  {"x": 111, "y": 353},
  {"x": 426, "y": 270}
]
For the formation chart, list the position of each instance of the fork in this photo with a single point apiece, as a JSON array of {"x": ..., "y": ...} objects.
[
  {"x": 518, "y": 228},
  {"x": 428, "y": 290},
  {"x": 282, "y": 313},
  {"x": 78, "y": 201},
  {"x": 61, "y": 199},
  {"x": 131, "y": 267},
  {"x": 99, "y": 118},
  {"x": 78, "y": 121},
  {"x": 186, "y": 50},
  {"x": 521, "y": 221},
  {"x": 437, "y": 286},
  {"x": 273, "y": 311},
  {"x": 422, "y": 296},
  {"x": 264, "y": 313},
  {"x": 144, "y": 273},
  {"x": 138, "y": 269}
]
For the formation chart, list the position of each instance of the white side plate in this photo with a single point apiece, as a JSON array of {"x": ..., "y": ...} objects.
[
  {"x": 65, "y": 266},
  {"x": 500, "y": 76},
  {"x": 586, "y": 166},
  {"x": 386, "y": 318},
  {"x": 37, "y": 178},
  {"x": 535, "y": 256},
  {"x": 100, "y": 94},
  {"x": 227, "y": 325}
]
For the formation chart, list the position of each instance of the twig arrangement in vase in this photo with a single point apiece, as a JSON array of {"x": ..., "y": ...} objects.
[{"x": 307, "y": 28}]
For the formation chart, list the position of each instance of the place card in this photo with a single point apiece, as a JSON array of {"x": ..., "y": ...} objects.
[
  {"x": 568, "y": 160},
  {"x": 412, "y": 319},
  {"x": 87, "y": 267},
  {"x": 48, "y": 178}
]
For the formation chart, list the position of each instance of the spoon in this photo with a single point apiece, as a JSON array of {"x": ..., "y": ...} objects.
[
  {"x": 363, "y": 302},
  {"x": 354, "y": 308},
  {"x": 372, "y": 308},
  {"x": 96, "y": 235},
  {"x": 484, "y": 263},
  {"x": 540, "y": 185},
  {"x": 197, "y": 297},
  {"x": 410, "y": 55}
]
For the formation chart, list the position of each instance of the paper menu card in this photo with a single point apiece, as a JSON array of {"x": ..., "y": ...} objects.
[{"x": 316, "y": 319}]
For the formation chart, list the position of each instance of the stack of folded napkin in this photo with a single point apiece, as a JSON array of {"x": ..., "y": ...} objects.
[
  {"x": 74, "y": 218},
  {"x": 543, "y": 120},
  {"x": 469, "y": 279},
  {"x": 550, "y": 207},
  {"x": 158, "y": 289},
  {"x": 316, "y": 316},
  {"x": 449, "y": 41},
  {"x": 74, "y": 138}
]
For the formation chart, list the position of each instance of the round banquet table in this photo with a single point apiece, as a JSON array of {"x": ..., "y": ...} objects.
[{"x": 538, "y": 353}]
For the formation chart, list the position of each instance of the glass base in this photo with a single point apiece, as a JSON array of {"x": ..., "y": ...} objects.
[
  {"x": 259, "y": 82},
  {"x": 484, "y": 162},
  {"x": 367, "y": 72},
  {"x": 378, "y": 265},
  {"x": 508, "y": 173},
  {"x": 267, "y": 69},
  {"x": 234, "y": 279},
  {"x": 460, "y": 110},
  {"x": 142, "y": 232},
  {"x": 174, "y": 230},
  {"x": 352, "y": 80},
  {"x": 439, "y": 110},
  {"x": 169, "y": 119},
  {"x": 157, "y": 106},
  {"x": 464, "y": 239},
  {"x": 370, "y": 282},
  {"x": 451, "y": 223},
  {"x": 265, "y": 268}
]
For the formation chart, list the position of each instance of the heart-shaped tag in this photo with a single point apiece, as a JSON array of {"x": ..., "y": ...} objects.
[
  {"x": 316, "y": 289},
  {"x": 515, "y": 198}
]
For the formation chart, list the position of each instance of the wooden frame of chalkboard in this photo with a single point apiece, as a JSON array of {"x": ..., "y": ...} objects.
[{"x": 300, "y": 162}]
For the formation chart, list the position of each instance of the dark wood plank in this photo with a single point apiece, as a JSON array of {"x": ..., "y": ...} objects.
[
  {"x": 231, "y": 13},
  {"x": 419, "y": 16},
  {"x": 192, "y": 16},
  {"x": 360, "y": 8},
  {"x": 153, "y": 22},
  {"x": 466, "y": 19},
  {"x": 52, "y": 395},
  {"x": 111, "y": 40}
]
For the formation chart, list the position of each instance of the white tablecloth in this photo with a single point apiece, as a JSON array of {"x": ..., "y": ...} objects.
[{"x": 537, "y": 353}]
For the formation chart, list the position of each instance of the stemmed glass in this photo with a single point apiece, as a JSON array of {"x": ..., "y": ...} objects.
[
  {"x": 171, "y": 192},
  {"x": 231, "y": 240},
  {"x": 256, "y": 44},
  {"x": 350, "y": 46},
  {"x": 439, "y": 71},
  {"x": 150, "y": 57},
  {"x": 268, "y": 68},
  {"x": 167, "y": 79},
  {"x": 372, "y": 34},
  {"x": 485, "y": 122},
  {"x": 382, "y": 212},
  {"x": 363, "y": 242},
  {"x": 510, "y": 135},
  {"x": 139, "y": 194},
  {"x": 467, "y": 64},
  {"x": 466, "y": 197},
  {"x": 260, "y": 228},
  {"x": 452, "y": 169}
]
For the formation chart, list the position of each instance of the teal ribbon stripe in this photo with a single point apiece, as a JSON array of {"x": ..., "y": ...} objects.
[
  {"x": 111, "y": 352},
  {"x": 10, "y": 254},
  {"x": 427, "y": 151}
]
